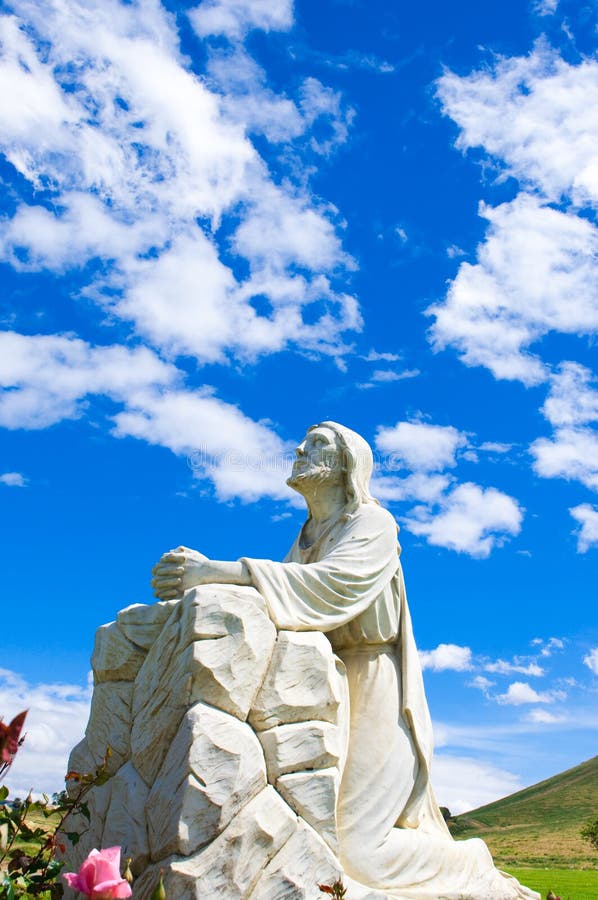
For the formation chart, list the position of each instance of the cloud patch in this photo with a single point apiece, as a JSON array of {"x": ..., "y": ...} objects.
[
  {"x": 591, "y": 660},
  {"x": 420, "y": 446},
  {"x": 520, "y": 693},
  {"x": 494, "y": 311},
  {"x": 463, "y": 517},
  {"x": 137, "y": 164},
  {"x": 462, "y": 783},
  {"x": 446, "y": 656},
  {"x": 13, "y": 479}
]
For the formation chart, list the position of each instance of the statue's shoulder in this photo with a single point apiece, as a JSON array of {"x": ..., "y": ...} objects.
[{"x": 371, "y": 515}]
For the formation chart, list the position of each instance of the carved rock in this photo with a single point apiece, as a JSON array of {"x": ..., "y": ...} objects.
[
  {"x": 302, "y": 682},
  {"x": 157, "y": 720},
  {"x": 125, "y": 824},
  {"x": 294, "y": 873},
  {"x": 313, "y": 796},
  {"x": 231, "y": 865},
  {"x": 115, "y": 658},
  {"x": 141, "y": 624},
  {"x": 215, "y": 648},
  {"x": 214, "y": 766},
  {"x": 234, "y": 643},
  {"x": 110, "y": 723},
  {"x": 300, "y": 746}
]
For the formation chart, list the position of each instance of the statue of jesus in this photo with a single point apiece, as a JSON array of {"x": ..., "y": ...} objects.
[{"x": 343, "y": 577}]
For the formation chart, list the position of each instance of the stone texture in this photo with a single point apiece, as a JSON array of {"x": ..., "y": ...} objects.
[
  {"x": 300, "y": 746},
  {"x": 110, "y": 723},
  {"x": 215, "y": 647},
  {"x": 125, "y": 824},
  {"x": 213, "y": 767},
  {"x": 302, "y": 682},
  {"x": 141, "y": 624},
  {"x": 294, "y": 873},
  {"x": 156, "y": 722},
  {"x": 234, "y": 642},
  {"x": 313, "y": 796},
  {"x": 231, "y": 865},
  {"x": 114, "y": 658}
]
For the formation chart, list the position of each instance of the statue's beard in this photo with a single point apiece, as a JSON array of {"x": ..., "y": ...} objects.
[{"x": 305, "y": 481}]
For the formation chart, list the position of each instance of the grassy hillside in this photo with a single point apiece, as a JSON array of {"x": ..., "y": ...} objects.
[{"x": 540, "y": 825}]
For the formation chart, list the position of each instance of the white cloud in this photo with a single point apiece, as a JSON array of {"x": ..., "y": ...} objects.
[
  {"x": 546, "y": 7},
  {"x": 544, "y": 717},
  {"x": 549, "y": 104},
  {"x": 591, "y": 660},
  {"x": 388, "y": 376},
  {"x": 248, "y": 100},
  {"x": 422, "y": 486},
  {"x": 322, "y": 104},
  {"x": 535, "y": 273},
  {"x": 385, "y": 375},
  {"x": 572, "y": 408},
  {"x": 378, "y": 356},
  {"x": 495, "y": 447},
  {"x": 571, "y": 454},
  {"x": 572, "y": 399},
  {"x": 46, "y": 378},
  {"x": 502, "y": 667},
  {"x": 234, "y": 18},
  {"x": 55, "y": 722},
  {"x": 446, "y": 656},
  {"x": 470, "y": 519},
  {"x": 13, "y": 479},
  {"x": 481, "y": 683},
  {"x": 551, "y": 645},
  {"x": 463, "y": 784},
  {"x": 242, "y": 458},
  {"x": 421, "y": 446},
  {"x": 587, "y": 534},
  {"x": 462, "y": 517},
  {"x": 519, "y": 693},
  {"x": 141, "y": 163}
]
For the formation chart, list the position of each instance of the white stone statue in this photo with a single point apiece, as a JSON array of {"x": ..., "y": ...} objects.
[{"x": 342, "y": 578}]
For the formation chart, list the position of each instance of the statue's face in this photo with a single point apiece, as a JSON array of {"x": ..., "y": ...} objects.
[{"x": 318, "y": 457}]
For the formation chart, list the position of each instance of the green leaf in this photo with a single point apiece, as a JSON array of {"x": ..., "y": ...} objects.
[
  {"x": 7, "y": 886},
  {"x": 84, "y": 810},
  {"x": 73, "y": 837},
  {"x": 54, "y": 868},
  {"x": 3, "y": 793}
]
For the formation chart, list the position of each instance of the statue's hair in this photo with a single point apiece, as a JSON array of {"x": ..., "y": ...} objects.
[{"x": 358, "y": 464}]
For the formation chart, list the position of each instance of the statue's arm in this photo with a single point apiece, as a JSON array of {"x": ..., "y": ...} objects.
[{"x": 181, "y": 569}]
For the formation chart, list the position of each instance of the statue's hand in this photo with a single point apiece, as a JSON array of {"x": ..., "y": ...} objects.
[{"x": 177, "y": 571}]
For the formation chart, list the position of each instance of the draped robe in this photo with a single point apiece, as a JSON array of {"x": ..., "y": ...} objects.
[{"x": 392, "y": 837}]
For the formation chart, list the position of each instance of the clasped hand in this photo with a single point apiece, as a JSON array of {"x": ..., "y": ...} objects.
[{"x": 177, "y": 571}]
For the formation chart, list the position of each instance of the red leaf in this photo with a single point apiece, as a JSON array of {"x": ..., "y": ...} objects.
[{"x": 9, "y": 737}]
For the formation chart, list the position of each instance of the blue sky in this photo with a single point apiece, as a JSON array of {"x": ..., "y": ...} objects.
[{"x": 224, "y": 222}]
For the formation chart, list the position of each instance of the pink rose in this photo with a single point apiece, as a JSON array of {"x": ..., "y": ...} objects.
[{"x": 99, "y": 876}]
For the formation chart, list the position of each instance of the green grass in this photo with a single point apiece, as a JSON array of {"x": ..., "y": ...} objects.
[
  {"x": 540, "y": 825},
  {"x": 570, "y": 884}
]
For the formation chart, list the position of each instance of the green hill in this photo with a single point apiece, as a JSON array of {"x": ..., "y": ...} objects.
[{"x": 540, "y": 825}]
